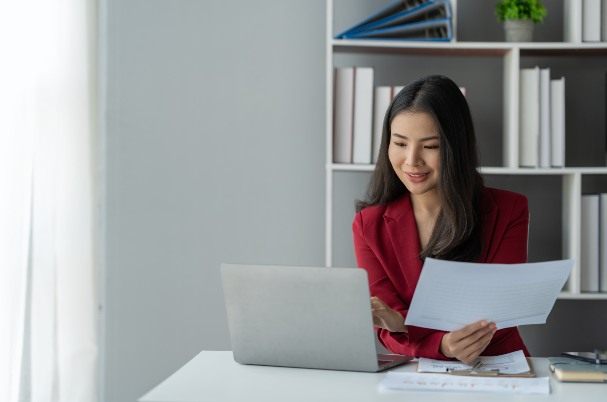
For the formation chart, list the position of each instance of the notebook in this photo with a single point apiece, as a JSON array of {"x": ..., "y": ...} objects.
[
  {"x": 566, "y": 369},
  {"x": 307, "y": 317}
]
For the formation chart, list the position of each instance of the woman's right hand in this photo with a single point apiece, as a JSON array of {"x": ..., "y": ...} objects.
[
  {"x": 468, "y": 343},
  {"x": 386, "y": 317}
]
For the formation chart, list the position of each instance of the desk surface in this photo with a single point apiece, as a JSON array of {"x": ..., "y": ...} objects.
[{"x": 214, "y": 376}]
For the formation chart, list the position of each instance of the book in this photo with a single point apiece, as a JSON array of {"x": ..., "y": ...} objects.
[
  {"x": 591, "y": 20},
  {"x": 572, "y": 21},
  {"x": 363, "y": 115},
  {"x": 431, "y": 30},
  {"x": 589, "y": 250},
  {"x": 603, "y": 243},
  {"x": 565, "y": 369},
  {"x": 343, "y": 114},
  {"x": 557, "y": 122},
  {"x": 381, "y": 102},
  {"x": 396, "y": 90},
  {"x": 529, "y": 129},
  {"x": 603, "y": 20},
  {"x": 545, "y": 129},
  {"x": 408, "y": 13}
]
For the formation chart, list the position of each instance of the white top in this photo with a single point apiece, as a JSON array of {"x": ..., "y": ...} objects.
[{"x": 214, "y": 376}]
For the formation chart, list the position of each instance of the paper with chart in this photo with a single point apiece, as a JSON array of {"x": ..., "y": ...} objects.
[
  {"x": 509, "y": 363},
  {"x": 450, "y": 295}
]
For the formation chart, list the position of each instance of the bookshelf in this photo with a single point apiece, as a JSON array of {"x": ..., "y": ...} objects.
[{"x": 511, "y": 57}]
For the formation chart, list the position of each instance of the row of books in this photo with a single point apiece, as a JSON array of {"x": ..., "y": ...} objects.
[
  {"x": 585, "y": 20},
  {"x": 541, "y": 119},
  {"x": 426, "y": 20},
  {"x": 593, "y": 259},
  {"x": 358, "y": 115}
]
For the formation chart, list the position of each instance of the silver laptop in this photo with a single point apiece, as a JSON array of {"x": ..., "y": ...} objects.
[{"x": 309, "y": 317}]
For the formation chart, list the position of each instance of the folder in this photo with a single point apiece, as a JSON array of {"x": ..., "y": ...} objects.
[
  {"x": 400, "y": 20},
  {"x": 408, "y": 12},
  {"x": 391, "y": 9},
  {"x": 431, "y": 30}
]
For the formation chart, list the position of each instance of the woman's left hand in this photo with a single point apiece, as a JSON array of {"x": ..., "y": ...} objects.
[{"x": 386, "y": 317}]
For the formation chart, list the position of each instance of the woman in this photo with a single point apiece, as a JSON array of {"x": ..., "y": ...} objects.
[{"x": 427, "y": 199}]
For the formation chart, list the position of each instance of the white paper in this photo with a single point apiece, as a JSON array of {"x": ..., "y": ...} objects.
[
  {"x": 450, "y": 295},
  {"x": 447, "y": 382},
  {"x": 509, "y": 363}
]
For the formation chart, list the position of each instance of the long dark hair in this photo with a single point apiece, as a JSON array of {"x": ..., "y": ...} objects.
[{"x": 456, "y": 234}]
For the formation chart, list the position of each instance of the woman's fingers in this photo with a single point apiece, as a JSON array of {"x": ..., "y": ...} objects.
[
  {"x": 470, "y": 352},
  {"x": 478, "y": 329},
  {"x": 386, "y": 317},
  {"x": 469, "y": 342}
]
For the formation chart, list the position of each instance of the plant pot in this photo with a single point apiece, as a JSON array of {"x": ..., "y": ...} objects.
[{"x": 518, "y": 30}]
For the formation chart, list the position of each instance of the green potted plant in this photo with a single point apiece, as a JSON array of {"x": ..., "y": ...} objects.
[{"x": 518, "y": 17}]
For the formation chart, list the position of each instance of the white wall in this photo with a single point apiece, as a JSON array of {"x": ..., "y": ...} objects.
[{"x": 215, "y": 152}]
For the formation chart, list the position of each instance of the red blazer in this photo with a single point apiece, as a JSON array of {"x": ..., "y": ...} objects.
[{"x": 387, "y": 246}]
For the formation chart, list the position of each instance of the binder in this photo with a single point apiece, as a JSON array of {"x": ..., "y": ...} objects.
[
  {"x": 431, "y": 30},
  {"x": 392, "y": 8},
  {"x": 409, "y": 13},
  {"x": 343, "y": 115},
  {"x": 529, "y": 123},
  {"x": 406, "y": 20},
  {"x": 363, "y": 115}
]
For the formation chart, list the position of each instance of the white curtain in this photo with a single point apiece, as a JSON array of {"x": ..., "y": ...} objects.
[{"x": 48, "y": 280}]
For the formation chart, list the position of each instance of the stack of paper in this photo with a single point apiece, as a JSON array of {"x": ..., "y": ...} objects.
[
  {"x": 507, "y": 371},
  {"x": 514, "y": 363}
]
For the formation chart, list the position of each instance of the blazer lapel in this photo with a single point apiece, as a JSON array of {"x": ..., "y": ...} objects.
[
  {"x": 489, "y": 216},
  {"x": 401, "y": 227}
]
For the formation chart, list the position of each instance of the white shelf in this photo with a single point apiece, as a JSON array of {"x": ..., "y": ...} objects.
[
  {"x": 582, "y": 296},
  {"x": 544, "y": 171},
  {"x": 345, "y": 167},
  {"x": 467, "y": 48},
  {"x": 512, "y": 55}
]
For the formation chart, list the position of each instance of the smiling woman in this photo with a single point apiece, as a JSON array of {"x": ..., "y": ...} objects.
[
  {"x": 414, "y": 154},
  {"x": 427, "y": 199},
  {"x": 48, "y": 287}
]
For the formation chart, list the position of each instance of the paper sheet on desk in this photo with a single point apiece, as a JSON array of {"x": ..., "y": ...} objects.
[
  {"x": 448, "y": 382},
  {"x": 509, "y": 363},
  {"x": 450, "y": 295}
]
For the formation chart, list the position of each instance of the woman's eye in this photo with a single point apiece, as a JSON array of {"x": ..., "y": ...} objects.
[
  {"x": 400, "y": 144},
  {"x": 431, "y": 147}
]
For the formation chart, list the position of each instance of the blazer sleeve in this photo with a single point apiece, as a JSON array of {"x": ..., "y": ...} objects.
[{"x": 418, "y": 341}]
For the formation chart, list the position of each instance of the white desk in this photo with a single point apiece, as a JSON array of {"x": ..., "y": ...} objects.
[{"x": 214, "y": 376}]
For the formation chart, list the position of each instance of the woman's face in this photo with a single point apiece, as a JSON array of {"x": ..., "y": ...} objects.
[{"x": 414, "y": 151}]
